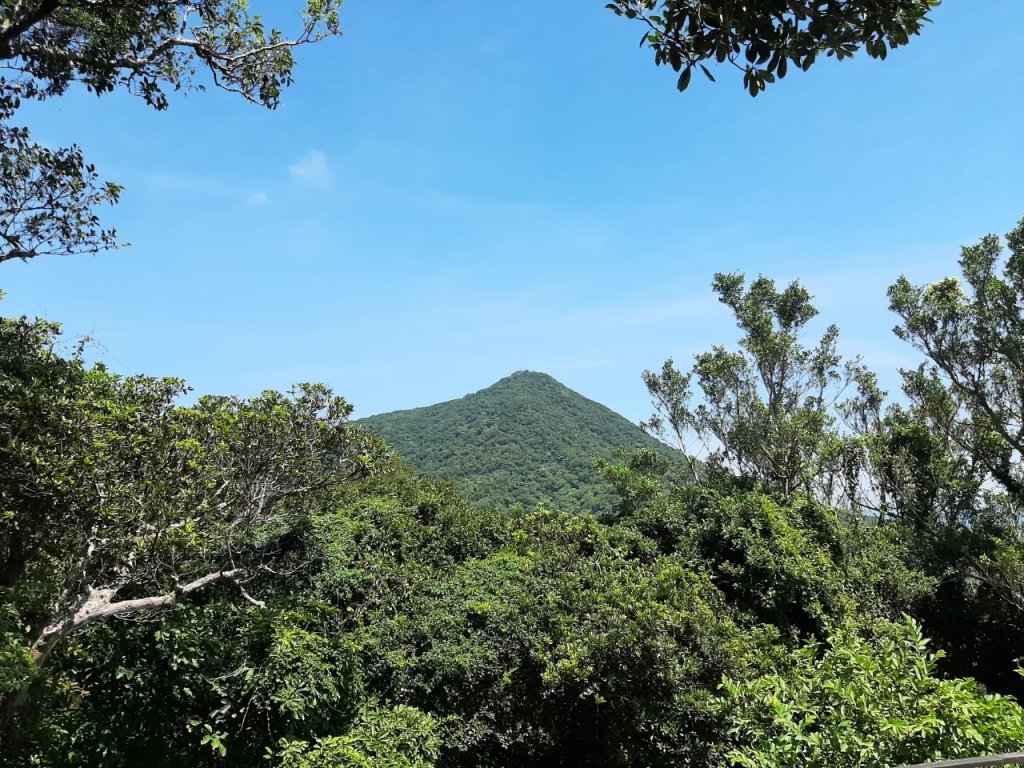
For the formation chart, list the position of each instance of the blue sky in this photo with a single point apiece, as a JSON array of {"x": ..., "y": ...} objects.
[{"x": 453, "y": 191}]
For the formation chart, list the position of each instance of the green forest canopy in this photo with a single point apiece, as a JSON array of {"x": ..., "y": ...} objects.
[{"x": 242, "y": 582}]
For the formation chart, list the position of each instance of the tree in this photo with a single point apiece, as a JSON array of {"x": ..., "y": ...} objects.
[
  {"x": 636, "y": 478},
  {"x": 956, "y": 453},
  {"x": 769, "y": 413},
  {"x": 48, "y": 197},
  {"x": 763, "y": 38},
  {"x": 971, "y": 389},
  {"x": 564, "y": 645},
  {"x": 115, "y": 501}
]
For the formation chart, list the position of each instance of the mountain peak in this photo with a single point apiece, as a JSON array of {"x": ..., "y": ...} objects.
[
  {"x": 525, "y": 373},
  {"x": 529, "y": 377},
  {"x": 525, "y": 439},
  {"x": 525, "y": 378}
]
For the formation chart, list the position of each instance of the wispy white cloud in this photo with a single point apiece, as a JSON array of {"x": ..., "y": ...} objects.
[
  {"x": 258, "y": 198},
  {"x": 312, "y": 169}
]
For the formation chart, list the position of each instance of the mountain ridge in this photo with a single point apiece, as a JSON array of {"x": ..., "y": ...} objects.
[{"x": 526, "y": 439}]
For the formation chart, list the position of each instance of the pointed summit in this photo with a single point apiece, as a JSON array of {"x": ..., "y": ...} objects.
[{"x": 526, "y": 439}]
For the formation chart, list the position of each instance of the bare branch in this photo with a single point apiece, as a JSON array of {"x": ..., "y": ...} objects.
[{"x": 98, "y": 604}]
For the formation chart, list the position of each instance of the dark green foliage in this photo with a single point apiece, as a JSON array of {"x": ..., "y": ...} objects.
[
  {"x": 525, "y": 440},
  {"x": 544, "y": 642},
  {"x": 116, "y": 502},
  {"x": 211, "y": 677},
  {"x": 763, "y": 38},
  {"x": 472, "y": 639},
  {"x": 779, "y": 563},
  {"x": 561, "y": 647},
  {"x": 795, "y": 566},
  {"x": 49, "y": 197}
]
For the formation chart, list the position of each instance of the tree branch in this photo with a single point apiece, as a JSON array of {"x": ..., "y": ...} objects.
[
  {"x": 10, "y": 31},
  {"x": 99, "y": 604}
]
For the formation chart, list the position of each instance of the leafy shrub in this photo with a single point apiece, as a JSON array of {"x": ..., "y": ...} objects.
[
  {"x": 402, "y": 737},
  {"x": 858, "y": 701}
]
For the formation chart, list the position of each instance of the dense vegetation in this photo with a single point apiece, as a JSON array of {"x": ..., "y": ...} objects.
[
  {"x": 259, "y": 582},
  {"x": 524, "y": 440}
]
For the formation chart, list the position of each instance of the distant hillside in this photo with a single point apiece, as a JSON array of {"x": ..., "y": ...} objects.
[{"x": 525, "y": 439}]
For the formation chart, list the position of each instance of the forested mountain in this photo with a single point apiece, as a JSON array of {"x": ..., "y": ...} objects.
[{"x": 524, "y": 440}]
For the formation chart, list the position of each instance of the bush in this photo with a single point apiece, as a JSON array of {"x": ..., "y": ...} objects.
[{"x": 859, "y": 701}]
